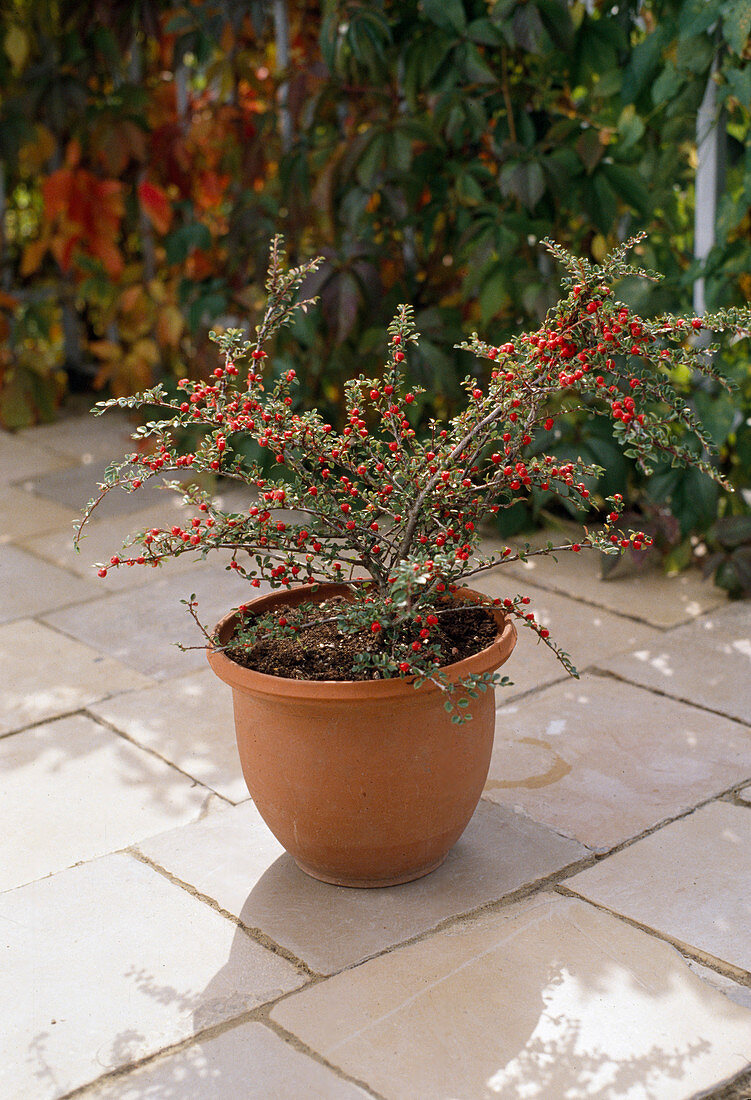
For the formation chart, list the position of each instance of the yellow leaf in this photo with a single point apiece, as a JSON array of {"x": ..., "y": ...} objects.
[
  {"x": 33, "y": 255},
  {"x": 17, "y": 47},
  {"x": 105, "y": 349},
  {"x": 169, "y": 326},
  {"x": 147, "y": 351},
  {"x": 34, "y": 155},
  {"x": 599, "y": 247}
]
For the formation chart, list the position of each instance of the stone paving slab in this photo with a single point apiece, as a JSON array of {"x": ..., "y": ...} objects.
[
  {"x": 141, "y": 627},
  {"x": 588, "y": 634},
  {"x": 71, "y": 790},
  {"x": 707, "y": 663},
  {"x": 601, "y": 761},
  {"x": 690, "y": 881},
  {"x": 107, "y": 963},
  {"x": 76, "y": 486},
  {"x": 29, "y": 586},
  {"x": 233, "y": 858},
  {"x": 651, "y": 596},
  {"x": 104, "y": 538},
  {"x": 740, "y": 994},
  {"x": 21, "y": 459},
  {"x": 547, "y": 1000},
  {"x": 84, "y": 437},
  {"x": 249, "y": 1061},
  {"x": 25, "y": 514},
  {"x": 45, "y": 674},
  {"x": 188, "y": 721}
]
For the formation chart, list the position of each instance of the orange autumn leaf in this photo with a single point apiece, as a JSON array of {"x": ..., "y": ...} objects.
[
  {"x": 155, "y": 205},
  {"x": 8, "y": 301},
  {"x": 210, "y": 190},
  {"x": 33, "y": 254}
]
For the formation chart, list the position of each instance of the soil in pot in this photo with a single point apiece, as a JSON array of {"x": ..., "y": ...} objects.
[{"x": 314, "y": 648}]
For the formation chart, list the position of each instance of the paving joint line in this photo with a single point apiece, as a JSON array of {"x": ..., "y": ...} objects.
[
  {"x": 607, "y": 674},
  {"x": 725, "y": 969},
  {"x": 256, "y": 934},
  {"x": 721, "y": 796},
  {"x": 728, "y": 1089},
  {"x": 613, "y": 611},
  {"x": 152, "y": 752},
  {"x": 259, "y": 1014}
]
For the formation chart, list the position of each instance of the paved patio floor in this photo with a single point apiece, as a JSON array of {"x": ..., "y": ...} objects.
[{"x": 589, "y": 936}]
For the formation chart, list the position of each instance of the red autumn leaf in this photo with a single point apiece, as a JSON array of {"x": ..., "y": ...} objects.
[
  {"x": 155, "y": 205},
  {"x": 86, "y": 213}
]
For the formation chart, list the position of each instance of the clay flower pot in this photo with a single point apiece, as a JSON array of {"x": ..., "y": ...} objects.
[{"x": 365, "y": 783}]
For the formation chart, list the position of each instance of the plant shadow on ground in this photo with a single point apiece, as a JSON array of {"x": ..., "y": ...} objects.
[
  {"x": 550, "y": 1039},
  {"x": 542, "y": 1000}
]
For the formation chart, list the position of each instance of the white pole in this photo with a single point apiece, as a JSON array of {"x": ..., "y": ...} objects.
[{"x": 709, "y": 171}]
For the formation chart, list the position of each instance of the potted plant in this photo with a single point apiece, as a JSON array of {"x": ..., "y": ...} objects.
[{"x": 356, "y": 673}]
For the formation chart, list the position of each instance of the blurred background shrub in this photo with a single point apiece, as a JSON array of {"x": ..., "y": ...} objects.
[{"x": 148, "y": 151}]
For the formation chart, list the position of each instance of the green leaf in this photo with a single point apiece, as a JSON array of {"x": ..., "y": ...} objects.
[
  {"x": 695, "y": 54},
  {"x": 741, "y": 562},
  {"x": 667, "y": 85},
  {"x": 484, "y": 33},
  {"x": 590, "y": 149},
  {"x": 370, "y": 164},
  {"x": 629, "y": 186},
  {"x": 448, "y": 14},
  {"x": 719, "y": 414},
  {"x": 557, "y": 19},
  {"x": 477, "y": 70},
  {"x": 736, "y": 24},
  {"x": 645, "y": 61},
  {"x": 630, "y": 128},
  {"x": 679, "y": 558},
  {"x": 400, "y": 152},
  {"x": 468, "y": 190},
  {"x": 732, "y": 531},
  {"x": 182, "y": 241},
  {"x": 529, "y": 31},
  {"x": 493, "y": 295},
  {"x": 604, "y": 203},
  {"x": 697, "y": 16},
  {"x": 738, "y": 84},
  {"x": 690, "y": 494},
  {"x": 524, "y": 180}
]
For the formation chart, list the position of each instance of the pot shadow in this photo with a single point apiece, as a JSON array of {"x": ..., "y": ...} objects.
[
  {"x": 560, "y": 1014},
  {"x": 553, "y": 1021}
]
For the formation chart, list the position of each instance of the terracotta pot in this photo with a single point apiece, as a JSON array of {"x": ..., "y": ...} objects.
[{"x": 365, "y": 783}]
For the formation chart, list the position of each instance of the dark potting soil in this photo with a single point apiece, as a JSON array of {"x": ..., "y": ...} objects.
[{"x": 317, "y": 651}]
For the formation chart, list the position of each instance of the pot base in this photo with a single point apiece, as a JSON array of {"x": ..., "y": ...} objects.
[{"x": 369, "y": 883}]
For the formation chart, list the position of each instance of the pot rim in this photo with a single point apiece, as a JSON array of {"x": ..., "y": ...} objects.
[{"x": 246, "y": 679}]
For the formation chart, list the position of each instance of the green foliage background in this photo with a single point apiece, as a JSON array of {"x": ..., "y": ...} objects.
[{"x": 424, "y": 148}]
